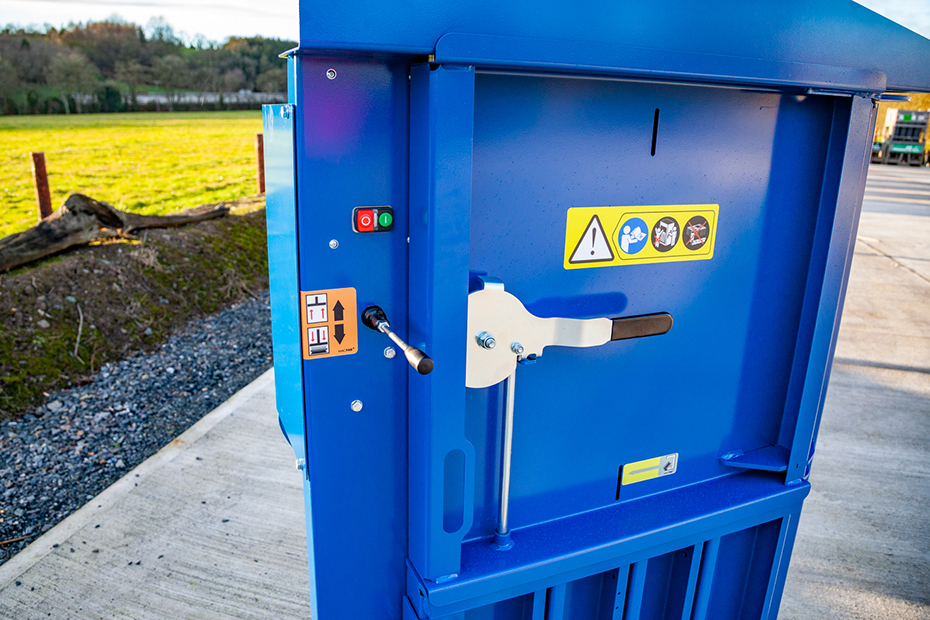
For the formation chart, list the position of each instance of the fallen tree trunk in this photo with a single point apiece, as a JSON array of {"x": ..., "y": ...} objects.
[{"x": 82, "y": 220}]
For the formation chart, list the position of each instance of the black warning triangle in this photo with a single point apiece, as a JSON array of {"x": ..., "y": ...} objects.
[{"x": 593, "y": 246}]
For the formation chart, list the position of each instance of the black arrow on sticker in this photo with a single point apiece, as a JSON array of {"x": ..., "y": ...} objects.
[
  {"x": 338, "y": 310},
  {"x": 339, "y": 331}
]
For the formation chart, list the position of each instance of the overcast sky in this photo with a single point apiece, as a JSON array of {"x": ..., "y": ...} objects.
[
  {"x": 215, "y": 19},
  {"x": 219, "y": 19}
]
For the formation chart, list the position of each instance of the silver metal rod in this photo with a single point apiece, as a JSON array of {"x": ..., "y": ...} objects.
[
  {"x": 420, "y": 361},
  {"x": 384, "y": 328},
  {"x": 502, "y": 526}
]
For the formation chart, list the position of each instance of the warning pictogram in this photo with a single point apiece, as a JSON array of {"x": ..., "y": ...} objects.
[
  {"x": 696, "y": 233},
  {"x": 608, "y": 236},
  {"x": 329, "y": 326},
  {"x": 593, "y": 246},
  {"x": 633, "y": 236},
  {"x": 665, "y": 234}
]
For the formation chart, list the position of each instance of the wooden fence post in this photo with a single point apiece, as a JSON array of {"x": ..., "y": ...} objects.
[
  {"x": 260, "y": 161},
  {"x": 43, "y": 195}
]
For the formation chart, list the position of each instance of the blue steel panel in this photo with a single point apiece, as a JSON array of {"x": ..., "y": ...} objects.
[
  {"x": 352, "y": 151},
  {"x": 597, "y": 541},
  {"x": 587, "y": 143},
  {"x": 281, "y": 218},
  {"x": 851, "y": 160},
  {"x": 542, "y": 54},
  {"x": 826, "y": 32},
  {"x": 441, "y": 112}
]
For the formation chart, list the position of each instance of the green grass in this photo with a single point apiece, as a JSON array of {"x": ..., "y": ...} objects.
[{"x": 152, "y": 163}]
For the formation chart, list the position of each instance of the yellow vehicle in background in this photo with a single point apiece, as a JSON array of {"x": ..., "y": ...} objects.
[{"x": 902, "y": 138}]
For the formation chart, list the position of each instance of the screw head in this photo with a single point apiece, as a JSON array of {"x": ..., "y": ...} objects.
[
  {"x": 331, "y": 74},
  {"x": 389, "y": 352},
  {"x": 517, "y": 348},
  {"x": 485, "y": 340},
  {"x": 333, "y": 244},
  {"x": 356, "y": 406}
]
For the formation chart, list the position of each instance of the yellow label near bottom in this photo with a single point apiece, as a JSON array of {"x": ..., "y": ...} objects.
[
  {"x": 611, "y": 236},
  {"x": 649, "y": 468}
]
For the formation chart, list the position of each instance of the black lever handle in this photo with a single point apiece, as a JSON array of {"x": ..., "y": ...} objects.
[
  {"x": 639, "y": 326},
  {"x": 374, "y": 318}
]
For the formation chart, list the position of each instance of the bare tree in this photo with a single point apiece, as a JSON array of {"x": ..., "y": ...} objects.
[
  {"x": 133, "y": 75},
  {"x": 9, "y": 82},
  {"x": 72, "y": 74},
  {"x": 233, "y": 80},
  {"x": 173, "y": 75},
  {"x": 272, "y": 80}
]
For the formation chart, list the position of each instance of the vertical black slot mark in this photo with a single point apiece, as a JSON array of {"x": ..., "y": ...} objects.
[
  {"x": 619, "y": 478},
  {"x": 655, "y": 131}
]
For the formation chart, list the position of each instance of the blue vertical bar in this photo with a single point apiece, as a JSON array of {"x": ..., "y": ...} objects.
[
  {"x": 844, "y": 186},
  {"x": 634, "y": 600},
  {"x": 789, "y": 529},
  {"x": 281, "y": 223},
  {"x": 539, "y": 605},
  {"x": 441, "y": 134},
  {"x": 706, "y": 579},
  {"x": 555, "y": 607},
  {"x": 696, "y": 555},
  {"x": 623, "y": 581}
]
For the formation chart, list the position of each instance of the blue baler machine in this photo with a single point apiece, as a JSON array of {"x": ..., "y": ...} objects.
[{"x": 612, "y": 240}]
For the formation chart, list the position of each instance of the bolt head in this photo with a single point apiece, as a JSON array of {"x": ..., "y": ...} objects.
[
  {"x": 356, "y": 406},
  {"x": 389, "y": 352},
  {"x": 486, "y": 340},
  {"x": 517, "y": 348},
  {"x": 333, "y": 244},
  {"x": 331, "y": 74}
]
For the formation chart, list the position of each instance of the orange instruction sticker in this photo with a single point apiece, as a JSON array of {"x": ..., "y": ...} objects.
[{"x": 328, "y": 323}]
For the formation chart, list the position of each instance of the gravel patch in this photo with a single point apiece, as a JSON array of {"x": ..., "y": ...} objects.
[{"x": 83, "y": 439}]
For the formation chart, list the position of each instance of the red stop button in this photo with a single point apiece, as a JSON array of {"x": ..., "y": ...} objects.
[{"x": 364, "y": 220}]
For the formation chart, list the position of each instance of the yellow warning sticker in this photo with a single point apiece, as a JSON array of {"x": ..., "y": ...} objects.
[
  {"x": 611, "y": 236},
  {"x": 649, "y": 469},
  {"x": 328, "y": 323}
]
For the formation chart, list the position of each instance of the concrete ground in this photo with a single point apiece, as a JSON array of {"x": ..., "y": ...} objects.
[
  {"x": 211, "y": 527},
  {"x": 863, "y": 546}
]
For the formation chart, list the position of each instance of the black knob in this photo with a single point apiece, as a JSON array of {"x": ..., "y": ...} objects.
[{"x": 374, "y": 318}]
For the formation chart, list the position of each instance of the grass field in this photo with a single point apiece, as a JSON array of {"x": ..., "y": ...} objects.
[{"x": 147, "y": 162}]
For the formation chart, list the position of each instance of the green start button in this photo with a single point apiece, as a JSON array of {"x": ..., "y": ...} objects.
[{"x": 385, "y": 220}]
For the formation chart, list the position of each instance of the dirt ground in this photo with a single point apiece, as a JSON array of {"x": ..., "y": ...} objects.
[{"x": 63, "y": 317}]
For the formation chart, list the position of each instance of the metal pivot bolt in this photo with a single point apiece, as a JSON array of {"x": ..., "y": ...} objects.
[
  {"x": 486, "y": 340},
  {"x": 517, "y": 348},
  {"x": 374, "y": 318}
]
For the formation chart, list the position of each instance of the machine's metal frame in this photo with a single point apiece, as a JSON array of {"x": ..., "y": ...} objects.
[{"x": 411, "y": 507}]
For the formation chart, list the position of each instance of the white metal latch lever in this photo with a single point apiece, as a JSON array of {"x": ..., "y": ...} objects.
[{"x": 501, "y": 330}]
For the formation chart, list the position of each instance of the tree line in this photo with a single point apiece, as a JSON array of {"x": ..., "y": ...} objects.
[{"x": 104, "y": 66}]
